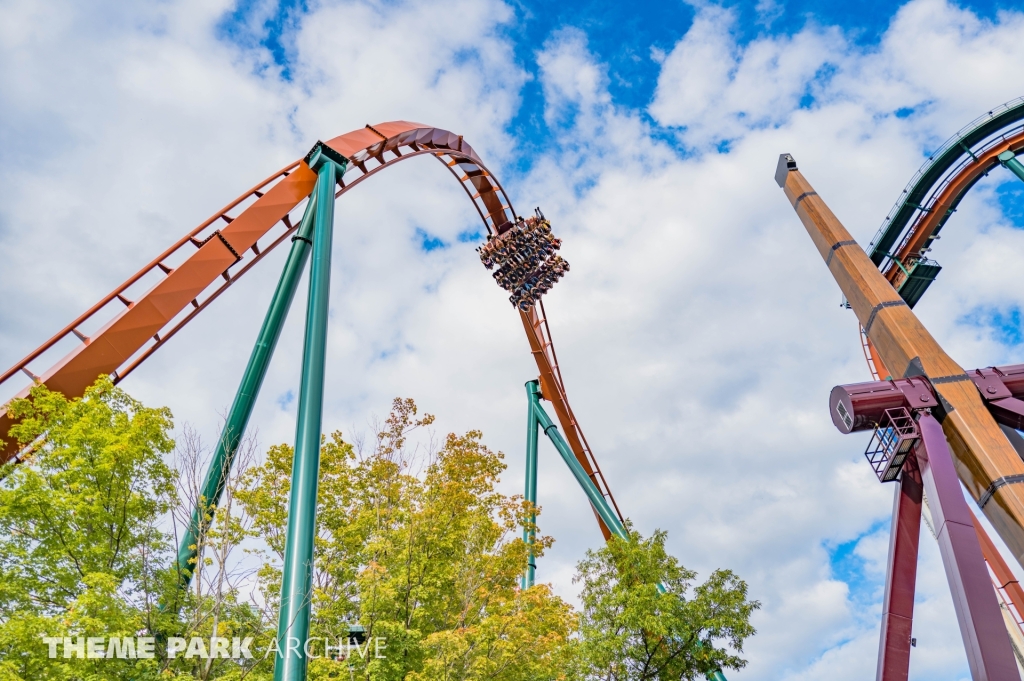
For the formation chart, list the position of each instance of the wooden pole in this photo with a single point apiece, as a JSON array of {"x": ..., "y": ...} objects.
[{"x": 983, "y": 456}]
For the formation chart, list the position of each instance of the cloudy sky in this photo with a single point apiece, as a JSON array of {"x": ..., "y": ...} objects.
[{"x": 699, "y": 332}]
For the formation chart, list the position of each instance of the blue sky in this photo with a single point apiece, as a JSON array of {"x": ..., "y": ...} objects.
[
  {"x": 627, "y": 37},
  {"x": 699, "y": 333}
]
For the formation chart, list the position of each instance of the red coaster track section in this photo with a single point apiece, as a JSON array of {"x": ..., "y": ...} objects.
[{"x": 128, "y": 325}]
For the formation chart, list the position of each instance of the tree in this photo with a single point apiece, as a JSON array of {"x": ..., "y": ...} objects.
[
  {"x": 80, "y": 550},
  {"x": 420, "y": 549},
  {"x": 85, "y": 546},
  {"x": 631, "y": 630},
  {"x": 217, "y": 605},
  {"x": 414, "y": 543}
]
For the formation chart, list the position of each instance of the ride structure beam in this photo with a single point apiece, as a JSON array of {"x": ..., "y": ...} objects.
[
  {"x": 932, "y": 196},
  {"x": 111, "y": 339},
  {"x": 297, "y": 577},
  {"x": 934, "y": 212},
  {"x": 909, "y": 441},
  {"x": 212, "y": 259},
  {"x": 1009, "y": 161},
  {"x": 901, "y": 577},
  {"x": 989, "y": 652},
  {"x": 529, "y": 533},
  {"x": 929, "y": 211},
  {"x": 245, "y": 399},
  {"x": 983, "y": 455},
  {"x": 597, "y": 500},
  {"x": 552, "y": 388},
  {"x": 610, "y": 519},
  {"x": 1007, "y": 588},
  {"x": 1003, "y": 576}
]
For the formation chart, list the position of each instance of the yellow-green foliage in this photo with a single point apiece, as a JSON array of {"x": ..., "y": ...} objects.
[
  {"x": 79, "y": 552},
  {"x": 414, "y": 543},
  {"x": 630, "y": 629},
  {"x": 423, "y": 552}
]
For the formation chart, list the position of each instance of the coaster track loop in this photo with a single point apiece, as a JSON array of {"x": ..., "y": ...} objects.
[{"x": 128, "y": 325}]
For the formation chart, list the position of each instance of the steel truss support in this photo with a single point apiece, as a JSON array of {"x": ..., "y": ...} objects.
[
  {"x": 296, "y": 583},
  {"x": 928, "y": 478},
  {"x": 541, "y": 419},
  {"x": 988, "y": 647},
  {"x": 1008, "y": 589},
  {"x": 529, "y": 533},
  {"x": 245, "y": 398}
]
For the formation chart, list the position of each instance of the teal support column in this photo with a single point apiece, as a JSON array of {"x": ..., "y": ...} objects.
[
  {"x": 1009, "y": 159},
  {"x": 245, "y": 398},
  {"x": 296, "y": 583},
  {"x": 529, "y": 534},
  {"x": 604, "y": 510}
]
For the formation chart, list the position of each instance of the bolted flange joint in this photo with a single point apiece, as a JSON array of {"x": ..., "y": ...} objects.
[{"x": 321, "y": 153}]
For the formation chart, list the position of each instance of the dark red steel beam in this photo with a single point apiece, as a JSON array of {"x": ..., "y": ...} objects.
[
  {"x": 966, "y": 550},
  {"x": 860, "y": 406},
  {"x": 1003, "y": 576},
  {"x": 1001, "y": 389},
  {"x": 901, "y": 577},
  {"x": 989, "y": 652},
  {"x": 1008, "y": 412}
]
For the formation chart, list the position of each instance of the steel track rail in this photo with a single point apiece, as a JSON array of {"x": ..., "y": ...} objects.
[
  {"x": 933, "y": 194},
  {"x": 950, "y": 159}
]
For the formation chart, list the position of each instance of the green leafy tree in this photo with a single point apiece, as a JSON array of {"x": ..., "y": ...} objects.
[
  {"x": 414, "y": 543},
  {"x": 420, "y": 549},
  {"x": 86, "y": 548},
  {"x": 80, "y": 551},
  {"x": 630, "y": 630}
]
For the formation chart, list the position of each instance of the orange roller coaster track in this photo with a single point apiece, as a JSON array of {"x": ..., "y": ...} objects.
[{"x": 124, "y": 328}]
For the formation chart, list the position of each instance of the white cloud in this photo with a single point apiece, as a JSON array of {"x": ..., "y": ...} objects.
[
  {"x": 698, "y": 331},
  {"x": 570, "y": 78},
  {"x": 718, "y": 90}
]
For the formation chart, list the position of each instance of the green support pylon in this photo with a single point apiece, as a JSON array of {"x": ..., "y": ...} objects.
[
  {"x": 604, "y": 510},
  {"x": 245, "y": 398},
  {"x": 1009, "y": 159},
  {"x": 296, "y": 584},
  {"x": 529, "y": 535}
]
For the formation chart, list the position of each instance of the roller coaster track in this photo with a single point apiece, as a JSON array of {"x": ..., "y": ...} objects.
[
  {"x": 936, "y": 190},
  {"x": 932, "y": 196},
  {"x": 138, "y": 317}
]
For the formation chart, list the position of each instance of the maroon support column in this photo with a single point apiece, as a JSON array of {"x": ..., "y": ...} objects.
[
  {"x": 901, "y": 577},
  {"x": 981, "y": 624}
]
